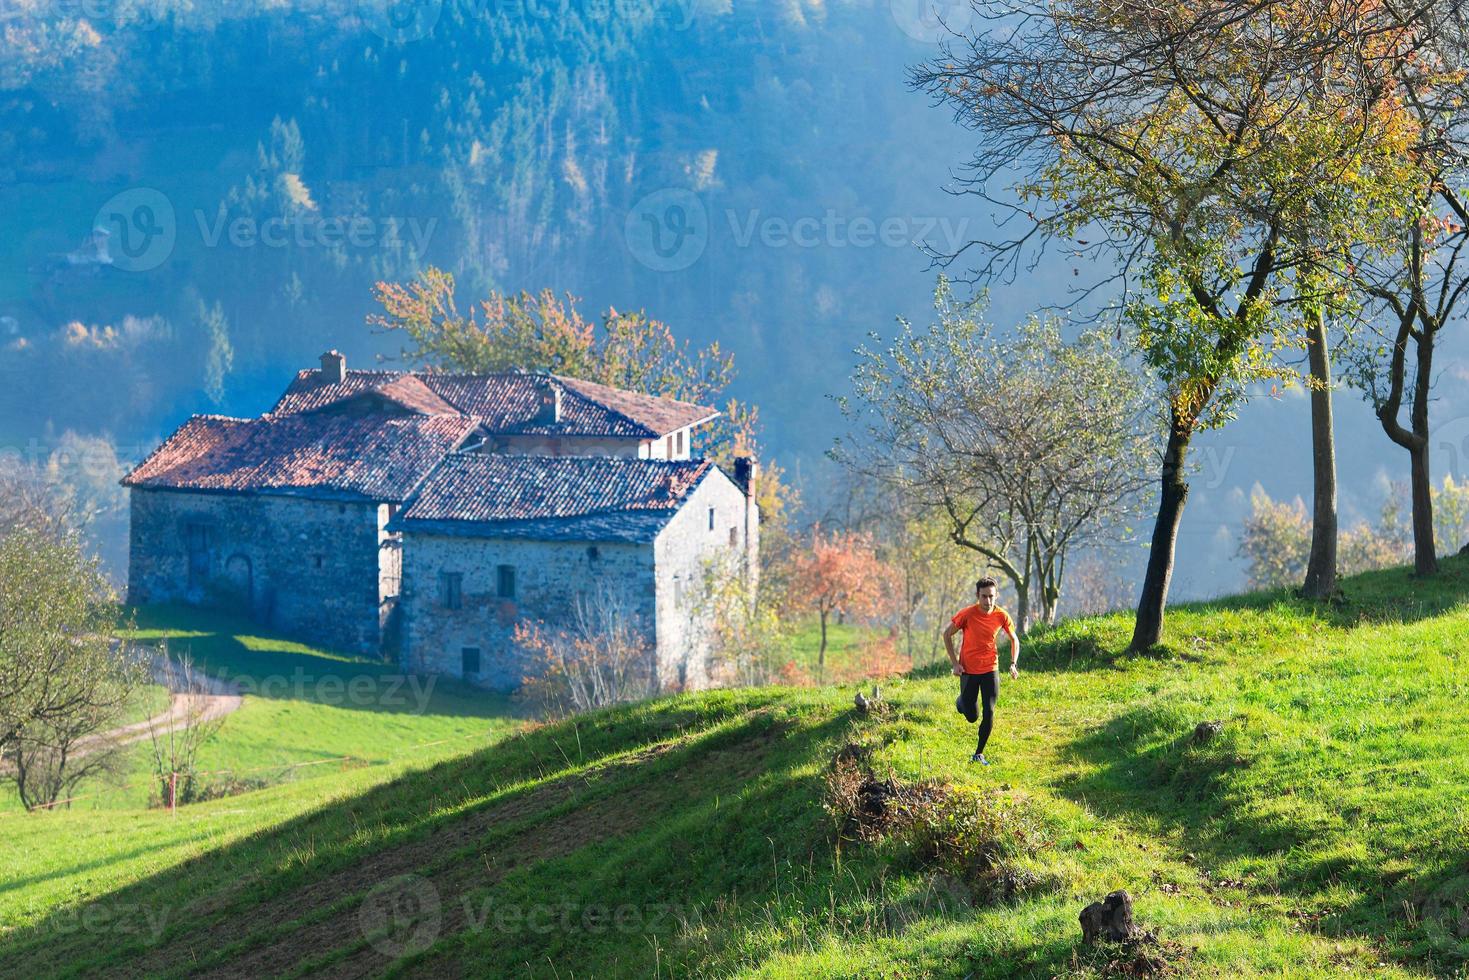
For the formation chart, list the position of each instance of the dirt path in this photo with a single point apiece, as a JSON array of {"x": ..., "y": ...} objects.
[{"x": 217, "y": 700}]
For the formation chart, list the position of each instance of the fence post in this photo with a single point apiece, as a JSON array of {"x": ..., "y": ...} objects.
[{"x": 173, "y": 793}]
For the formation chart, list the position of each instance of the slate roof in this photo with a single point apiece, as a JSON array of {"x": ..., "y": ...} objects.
[
  {"x": 508, "y": 404},
  {"x": 377, "y": 457},
  {"x": 551, "y": 497}
]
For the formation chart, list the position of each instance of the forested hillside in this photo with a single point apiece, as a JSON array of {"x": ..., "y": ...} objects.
[{"x": 304, "y": 156}]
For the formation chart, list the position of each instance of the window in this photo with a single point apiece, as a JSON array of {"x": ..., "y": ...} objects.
[
  {"x": 505, "y": 581},
  {"x": 711, "y": 518},
  {"x": 734, "y": 536},
  {"x": 469, "y": 661},
  {"x": 451, "y": 585},
  {"x": 668, "y": 451},
  {"x": 680, "y": 442},
  {"x": 593, "y": 553}
]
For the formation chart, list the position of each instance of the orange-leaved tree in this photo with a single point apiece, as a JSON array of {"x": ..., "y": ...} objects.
[{"x": 839, "y": 572}]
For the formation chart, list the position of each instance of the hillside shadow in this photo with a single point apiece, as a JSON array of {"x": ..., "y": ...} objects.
[
  {"x": 701, "y": 814},
  {"x": 447, "y": 817},
  {"x": 265, "y": 665}
]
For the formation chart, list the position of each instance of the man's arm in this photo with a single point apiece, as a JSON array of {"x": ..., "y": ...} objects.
[
  {"x": 949, "y": 632},
  {"x": 1014, "y": 653}
]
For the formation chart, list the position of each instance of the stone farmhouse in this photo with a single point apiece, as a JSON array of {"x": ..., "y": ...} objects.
[{"x": 425, "y": 514}]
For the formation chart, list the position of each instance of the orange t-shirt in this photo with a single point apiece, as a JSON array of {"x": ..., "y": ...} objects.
[{"x": 978, "y": 655}]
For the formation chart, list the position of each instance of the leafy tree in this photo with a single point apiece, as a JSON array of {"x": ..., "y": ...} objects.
[
  {"x": 1276, "y": 542},
  {"x": 62, "y": 677},
  {"x": 1186, "y": 147},
  {"x": 839, "y": 573},
  {"x": 219, "y": 357},
  {"x": 1029, "y": 445}
]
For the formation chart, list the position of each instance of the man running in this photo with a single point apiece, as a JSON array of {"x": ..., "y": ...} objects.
[{"x": 976, "y": 663}]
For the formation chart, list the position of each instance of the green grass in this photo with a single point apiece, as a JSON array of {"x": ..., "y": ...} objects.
[
  {"x": 844, "y": 643},
  {"x": 306, "y": 714},
  {"x": 1322, "y": 832}
]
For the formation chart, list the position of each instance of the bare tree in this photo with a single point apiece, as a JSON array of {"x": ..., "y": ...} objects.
[
  {"x": 1417, "y": 287},
  {"x": 29, "y": 502},
  {"x": 177, "y": 736},
  {"x": 1029, "y": 445},
  {"x": 48, "y": 759},
  {"x": 603, "y": 656}
]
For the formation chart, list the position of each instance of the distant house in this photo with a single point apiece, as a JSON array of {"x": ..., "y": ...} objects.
[
  {"x": 372, "y": 510},
  {"x": 490, "y": 540}
]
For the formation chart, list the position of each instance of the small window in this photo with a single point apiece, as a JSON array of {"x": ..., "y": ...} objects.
[
  {"x": 198, "y": 537},
  {"x": 451, "y": 585},
  {"x": 668, "y": 452},
  {"x": 680, "y": 442},
  {"x": 198, "y": 541},
  {"x": 711, "y": 518},
  {"x": 734, "y": 537},
  {"x": 469, "y": 660},
  {"x": 505, "y": 581},
  {"x": 317, "y": 559},
  {"x": 593, "y": 553}
]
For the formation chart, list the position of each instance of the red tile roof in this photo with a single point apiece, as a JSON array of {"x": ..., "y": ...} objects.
[
  {"x": 380, "y": 457},
  {"x": 510, "y": 403},
  {"x": 490, "y": 487}
]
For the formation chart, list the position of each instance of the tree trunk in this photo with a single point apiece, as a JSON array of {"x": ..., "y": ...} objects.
[
  {"x": 1022, "y": 606},
  {"x": 1148, "y": 630},
  {"x": 1425, "y": 554},
  {"x": 1322, "y": 567},
  {"x": 821, "y": 651}
]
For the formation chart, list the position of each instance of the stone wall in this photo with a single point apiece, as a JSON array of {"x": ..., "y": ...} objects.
[
  {"x": 310, "y": 568},
  {"x": 685, "y": 550},
  {"x": 549, "y": 577}
]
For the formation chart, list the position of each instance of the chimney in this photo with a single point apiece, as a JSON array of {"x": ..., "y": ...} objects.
[
  {"x": 550, "y": 407},
  {"x": 333, "y": 367},
  {"x": 746, "y": 472}
]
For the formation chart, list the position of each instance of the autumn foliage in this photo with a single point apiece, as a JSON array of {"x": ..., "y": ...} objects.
[{"x": 840, "y": 573}]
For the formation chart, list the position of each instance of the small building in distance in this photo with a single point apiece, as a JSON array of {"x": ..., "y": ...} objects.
[{"x": 344, "y": 514}]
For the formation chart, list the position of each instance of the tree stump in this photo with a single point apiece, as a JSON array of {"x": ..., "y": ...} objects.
[{"x": 1110, "y": 918}]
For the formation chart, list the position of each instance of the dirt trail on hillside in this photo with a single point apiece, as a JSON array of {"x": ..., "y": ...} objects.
[{"x": 218, "y": 700}]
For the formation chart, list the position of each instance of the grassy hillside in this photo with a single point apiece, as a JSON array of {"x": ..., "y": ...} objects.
[
  {"x": 1320, "y": 832},
  {"x": 307, "y": 713}
]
